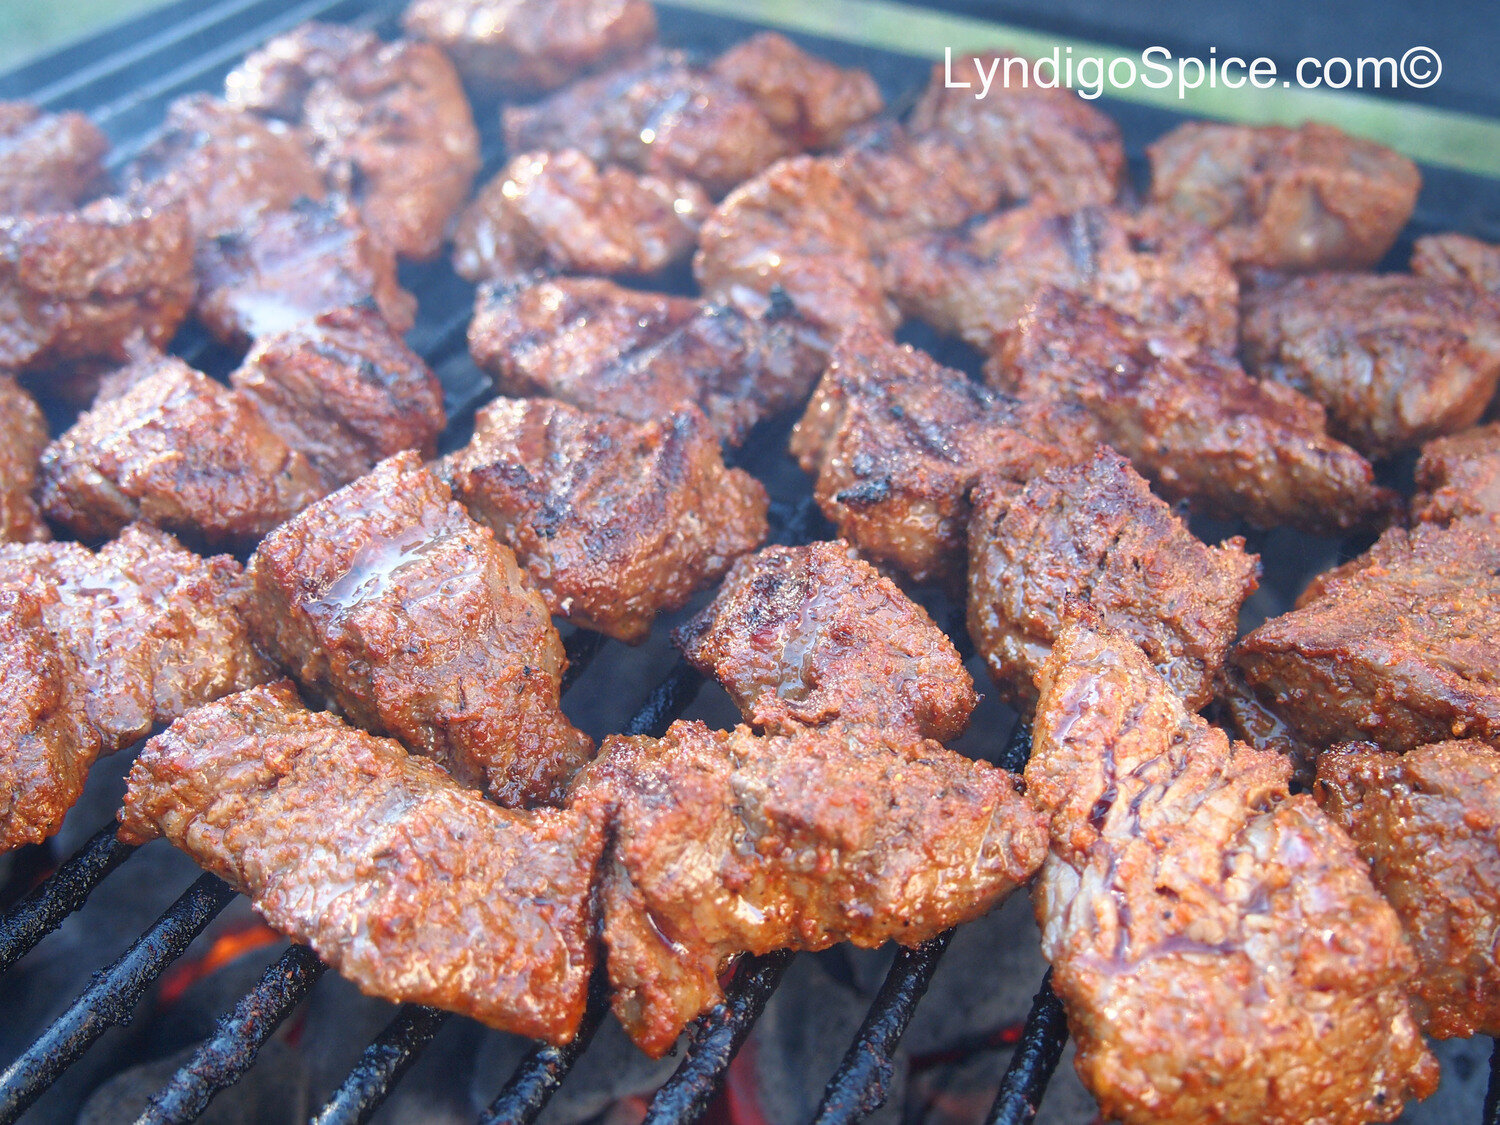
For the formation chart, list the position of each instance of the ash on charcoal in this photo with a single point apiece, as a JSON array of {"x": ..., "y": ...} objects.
[{"x": 275, "y": 1091}]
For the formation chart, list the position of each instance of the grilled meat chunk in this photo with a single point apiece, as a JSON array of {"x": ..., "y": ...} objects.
[
  {"x": 21, "y": 443},
  {"x": 809, "y": 100},
  {"x": 805, "y": 636},
  {"x": 1218, "y": 945},
  {"x": 616, "y": 520},
  {"x": 1455, "y": 259},
  {"x": 726, "y": 843},
  {"x": 561, "y": 211},
  {"x": 389, "y": 124},
  {"x": 896, "y": 442},
  {"x": 345, "y": 391},
  {"x": 602, "y": 347},
  {"x": 180, "y": 451},
  {"x": 1032, "y": 142},
  {"x": 1428, "y": 823},
  {"x": 978, "y": 282},
  {"x": 1395, "y": 360},
  {"x": 1194, "y": 424},
  {"x": 48, "y": 161},
  {"x": 387, "y": 598},
  {"x": 1459, "y": 476},
  {"x": 286, "y": 266},
  {"x": 531, "y": 46},
  {"x": 1397, "y": 647},
  {"x": 1305, "y": 199},
  {"x": 1093, "y": 533},
  {"x": 410, "y": 885}
]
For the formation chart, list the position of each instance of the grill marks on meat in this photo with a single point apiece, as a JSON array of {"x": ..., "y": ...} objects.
[
  {"x": 407, "y": 883},
  {"x": 806, "y": 636},
  {"x": 48, "y": 161},
  {"x": 1395, "y": 360},
  {"x": 726, "y": 843},
  {"x": 563, "y": 212},
  {"x": 389, "y": 125},
  {"x": 531, "y": 46},
  {"x": 1459, "y": 476},
  {"x": 1218, "y": 945},
  {"x": 22, "y": 440},
  {"x": 1428, "y": 823},
  {"x": 617, "y": 521},
  {"x": 1094, "y": 533},
  {"x": 897, "y": 441},
  {"x": 601, "y": 347},
  {"x": 1455, "y": 259},
  {"x": 1194, "y": 424},
  {"x": 390, "y": 600},
  {"x": 1285, "y": 199},
  {"x": 1397, "y": 647}
]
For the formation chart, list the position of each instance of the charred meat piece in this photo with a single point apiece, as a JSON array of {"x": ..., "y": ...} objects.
[
  {"x": 1397, "y": 647},
  {"x": 809, "y": 100},
  {"x": 345, "y": 391},
  {"x": 1395, "y": 360},
  {"x": 897, "y": 441},
  {"x": 562, "y": 212},
  {"x": 1194, "y": 424},
  {"x": 180, "y": 451},
  {"x": 531, "y": 46},
  {"x": 1305, "y": 199},
  {"x": 1032, "y": 142},
  {"x": 48, "y": 161},
  {"x": 795, "y": 228},
  {"x": 978, "y": 282},
  {"x": 77, "y": 285},
  {"x": 1454, "y": 259},
  {"x": 616, "y": 520},
  {"x": 1428, "y": 823},
  {"x": 599, "y": 346},
  {"x": 726, "y": 842},
  {"x": 410, "y": 885},
  {"x": 1093, "y": 533},
  {"x": 1459, "y": 476},
  {"x": 658, "y": 116},
  {"x": 284, "y": 267},
  {"x": 1218, "y": 945},
  {"x": 389, "y": 124},
  {"x": 805, "y": 636},
  {"x": 22, "y": 440},
  {"x": 390, "y": 600}
]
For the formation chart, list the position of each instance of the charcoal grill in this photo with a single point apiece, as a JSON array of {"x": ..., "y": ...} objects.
[{"x": 124, "y": 79}]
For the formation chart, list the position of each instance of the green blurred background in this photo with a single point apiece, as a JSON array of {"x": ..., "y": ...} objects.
[{"x": 29, "y": 27}]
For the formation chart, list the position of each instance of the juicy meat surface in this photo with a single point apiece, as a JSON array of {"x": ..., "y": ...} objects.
[
  {"x": 1456, "y": 259},
  {"x": 617, "y": 521},
  {"x": 387, "y": 598},
  {"x": 809, "y": 100},
  {"x": 561, "y": 211},
  {"x": 1459, "y": 476},
  {"x": 23, "y": 438},
  {"x": 389, "y": 125},
  {"x": 1194, "y": 424},
  {"x": 531, "y": 46},
  {"x": 726, "y": 842},
  {"x": 897, "y": 441},
  {"x": 979, "y": 281},
  {"x": 286, "y": 266},
  {"x": 180, "y": 451},
  {"x": 1094, "y": 534},
  {"x": 1396, "y": 647},
  {"x": 1304, "y": 199},
  {"x": 1428, "y": 824},
  {"x": 1032, "y": 142},
  {"x": 48, "y": 161},
  {"x": 805, "y": 636},
  {"x": 602, "y": 347},
  {"x": 345, "y": 391},
  {"x": 402, "y": 880},
  {"x": 1395, "y": 360},
  {"x": 1218, "y": 945}
]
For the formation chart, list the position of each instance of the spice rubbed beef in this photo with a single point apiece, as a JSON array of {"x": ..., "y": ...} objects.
[
  {"x": 1459, "y": 476},
  {"x": 22, "y": 439},
  {"x": 48, "y": 161}
]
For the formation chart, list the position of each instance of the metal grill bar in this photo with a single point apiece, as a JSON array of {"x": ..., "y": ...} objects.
[
  {"x": 382, "y": 1065},
  {"x": 541, "y": 1072},
  {"x": 68, "y": 888},
  {"x": 1035, "y": 1058}
]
